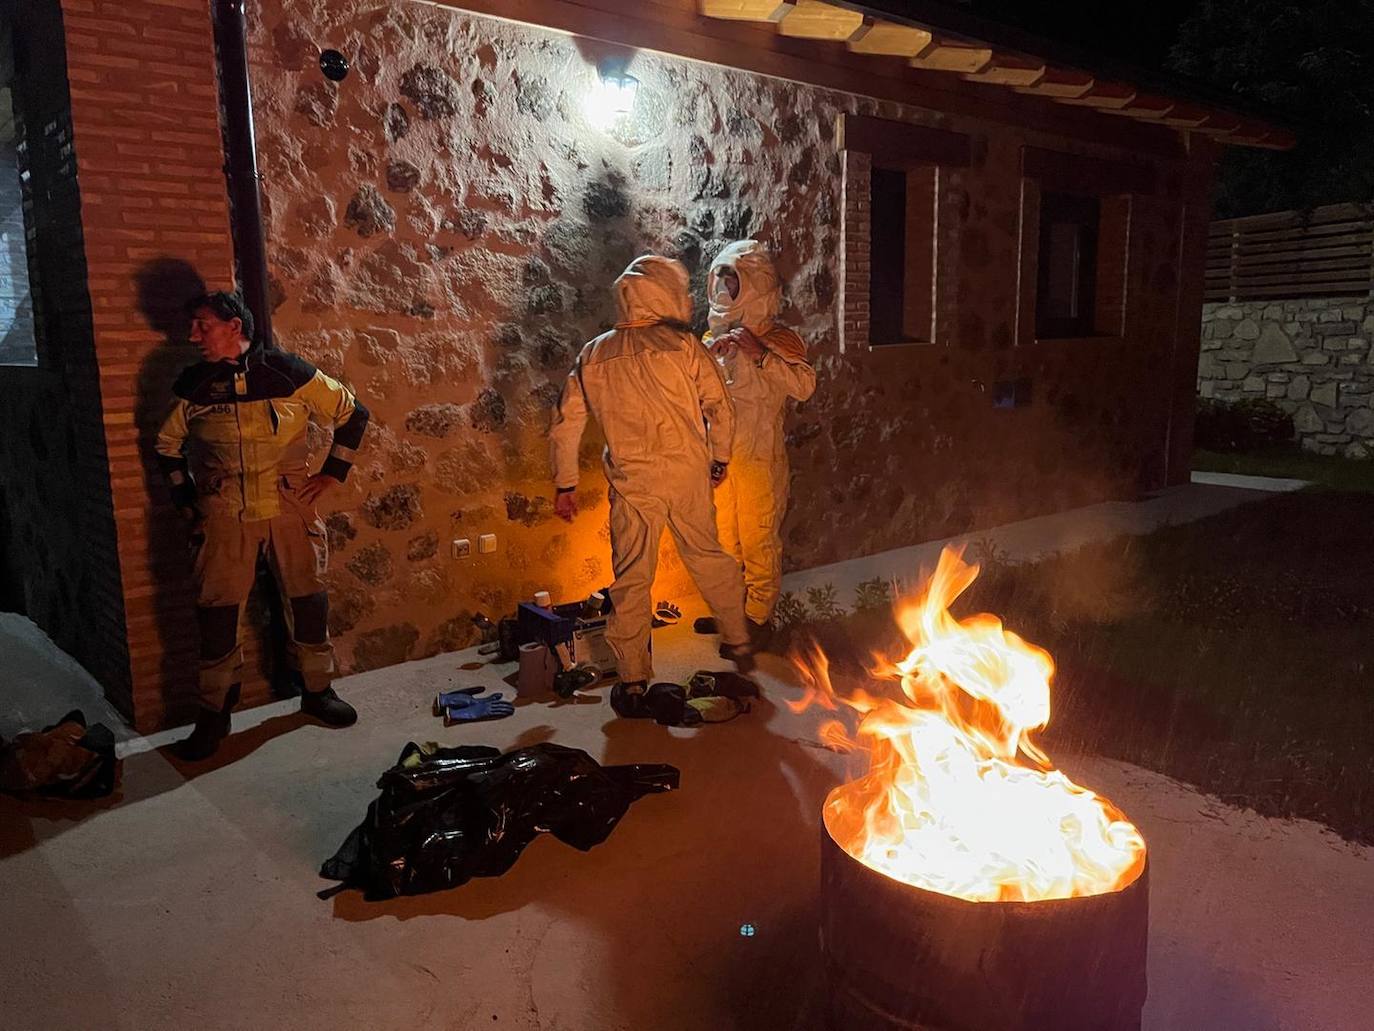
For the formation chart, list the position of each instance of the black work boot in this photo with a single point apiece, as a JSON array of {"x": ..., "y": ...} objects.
[
  {"x": 627, "y": 699},
  {"x": 705, "y": 625},
  {"x": 212, "y": 727},
  {"x": 328, "y": 707},
  {"x": 742, "y": 655}
]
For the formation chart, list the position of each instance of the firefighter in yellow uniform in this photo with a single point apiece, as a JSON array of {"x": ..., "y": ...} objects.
[
  {"x": 765, "y": 365},
  {"x": 234, "y": 450}
]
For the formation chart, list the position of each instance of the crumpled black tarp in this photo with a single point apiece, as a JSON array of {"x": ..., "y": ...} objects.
[
  {"x": 65, "y": 760},
  {"x": 446, "y": 815}
]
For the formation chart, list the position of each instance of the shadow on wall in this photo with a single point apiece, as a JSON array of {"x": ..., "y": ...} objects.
[{"x": 164, "y": 286}]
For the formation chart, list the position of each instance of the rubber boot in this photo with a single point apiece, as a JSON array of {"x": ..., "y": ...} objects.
[
  {"x": 328, "y": 708},
  {"x": 212, "y": 727}
]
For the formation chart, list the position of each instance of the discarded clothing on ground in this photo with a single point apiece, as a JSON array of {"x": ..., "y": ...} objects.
[
  {"x": 446, "y": 815},
  {"x": 65, "y": 760},
  {"x": 706, "y": 698}
]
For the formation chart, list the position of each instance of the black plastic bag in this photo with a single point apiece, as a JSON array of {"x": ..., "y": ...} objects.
[{"x": 446, "y": 815}]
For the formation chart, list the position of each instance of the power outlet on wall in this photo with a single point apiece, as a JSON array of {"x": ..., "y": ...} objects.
[
  {"x": 462, "y": 548},
  {"x": 486, "y": 544}
]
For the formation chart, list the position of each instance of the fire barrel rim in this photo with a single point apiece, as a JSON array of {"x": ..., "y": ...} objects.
[{"x": 901, "y": 957}]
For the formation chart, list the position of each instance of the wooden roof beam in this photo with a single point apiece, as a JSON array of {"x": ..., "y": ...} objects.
[
  {"x": 947, "y": 55},
  {"x": 1009, "y": 70},
  {"x": 1103, "y": 95},
  {"x": 1145, "y": 107},
  {"x": 1057, "y": 83},
  {"x": 1219, "y": 124},
  {"x": 746, "y": 10},
  {"x": 884, "y": 38},
  {"x": 814, "y": 19},
  {"x": 1186, "y": 116}
]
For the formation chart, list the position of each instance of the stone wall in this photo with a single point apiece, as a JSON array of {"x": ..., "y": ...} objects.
[
  {"x": 443, "y": 228},
  {"x": 1310, "y": 357}
]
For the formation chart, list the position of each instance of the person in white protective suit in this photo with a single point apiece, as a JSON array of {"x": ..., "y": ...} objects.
[
  {"x": 765, "y": 364},
  {"x": 668, "y": 422}
]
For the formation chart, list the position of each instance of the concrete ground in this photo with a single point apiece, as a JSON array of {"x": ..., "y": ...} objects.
[{"x": 189, "y": 900}]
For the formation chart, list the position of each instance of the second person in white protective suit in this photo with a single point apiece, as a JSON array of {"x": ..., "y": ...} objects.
[
  {"x": 668, "y": 422},
  {"x": 765, "y": 364}
]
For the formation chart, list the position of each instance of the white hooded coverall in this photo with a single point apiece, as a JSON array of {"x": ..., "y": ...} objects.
[
  {"x": 751, "y": 503},
  {"x": 663, "y": 407}
]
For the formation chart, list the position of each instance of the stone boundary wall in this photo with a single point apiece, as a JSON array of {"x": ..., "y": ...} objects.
[{"x": 1310, "y": 357}]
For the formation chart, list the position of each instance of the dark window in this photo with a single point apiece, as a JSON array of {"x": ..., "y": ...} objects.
[
  {"x": 901, "y": 295},
  {"x": 887, "y": 262},
  {"x": 1066, "y": 295},
  {"x": 17, "y": 346}
]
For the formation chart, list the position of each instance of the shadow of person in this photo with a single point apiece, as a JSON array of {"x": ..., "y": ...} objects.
[
  {"x": 236, "y": 746},
  {"x": 165, "y": 286}
]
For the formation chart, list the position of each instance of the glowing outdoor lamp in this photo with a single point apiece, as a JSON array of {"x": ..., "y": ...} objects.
[{"x": 612, "y": 98}]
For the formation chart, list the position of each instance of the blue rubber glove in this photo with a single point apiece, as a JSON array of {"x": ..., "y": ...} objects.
[
  {"x": 445, "y": 700},
  {"x": 474, "y": 710}
]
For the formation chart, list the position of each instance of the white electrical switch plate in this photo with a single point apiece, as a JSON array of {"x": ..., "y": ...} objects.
[
  {"x": 462, "y": 548},
  {"x": 486, "y": 544}
]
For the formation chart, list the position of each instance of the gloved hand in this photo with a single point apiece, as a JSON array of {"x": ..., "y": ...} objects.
[
  {"x": 475, "y": 710},
  {"x": 565, "y": 505},
  {"x": 666, "y": 614}
]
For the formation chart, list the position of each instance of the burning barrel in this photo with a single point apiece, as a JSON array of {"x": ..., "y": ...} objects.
[
  {"x": 901, "y": 957},
  {"x": 967, "y": 884}
]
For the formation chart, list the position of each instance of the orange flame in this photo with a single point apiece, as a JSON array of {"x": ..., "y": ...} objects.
[{"x": 957, "y": 798}]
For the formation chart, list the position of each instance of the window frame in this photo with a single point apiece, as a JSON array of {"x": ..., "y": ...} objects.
[
  {"x": 1114, "y": 185},
  {"x": 925, "y": 155},
  {"x": 1085, "y": 213}
]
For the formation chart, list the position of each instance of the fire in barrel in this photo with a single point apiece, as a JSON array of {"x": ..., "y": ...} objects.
[{"x": 967, "y": 883}]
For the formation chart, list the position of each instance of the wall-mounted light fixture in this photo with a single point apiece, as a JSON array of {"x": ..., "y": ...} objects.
[{"x": 612, "y": 98}]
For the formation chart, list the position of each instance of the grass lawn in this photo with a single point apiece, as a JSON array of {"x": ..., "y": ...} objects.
[
  {"x": 1235, "y": 653},
  {"x": 1288, "y": 461}
]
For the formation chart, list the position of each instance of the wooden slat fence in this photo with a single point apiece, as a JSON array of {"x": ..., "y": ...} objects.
[{"x": 1327, "y": 252}]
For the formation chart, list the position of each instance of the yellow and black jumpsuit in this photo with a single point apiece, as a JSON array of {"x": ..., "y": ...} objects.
[{"x": 234, "y": 449}]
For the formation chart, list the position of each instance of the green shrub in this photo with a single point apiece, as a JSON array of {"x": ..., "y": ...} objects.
[
  {"x": 1240, "y": 425},
  {"x": 871, "y": 595},
  {"x": 790, "y": 610},
  {"x": 824, "y": 604}
]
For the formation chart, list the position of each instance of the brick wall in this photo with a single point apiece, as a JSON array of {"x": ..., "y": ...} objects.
[
  {"x": 54, "y": 481},
  {"x": 856, "y": 237},
  {"x": 155, "y": 216}
]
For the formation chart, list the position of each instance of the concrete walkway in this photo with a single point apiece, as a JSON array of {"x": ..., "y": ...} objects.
[{"x": 190, "y": 900}]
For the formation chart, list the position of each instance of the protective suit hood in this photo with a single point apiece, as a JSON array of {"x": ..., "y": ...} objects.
[
  {"x": 653, "y": 290},
  {"x": 756, "y": 306}
]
